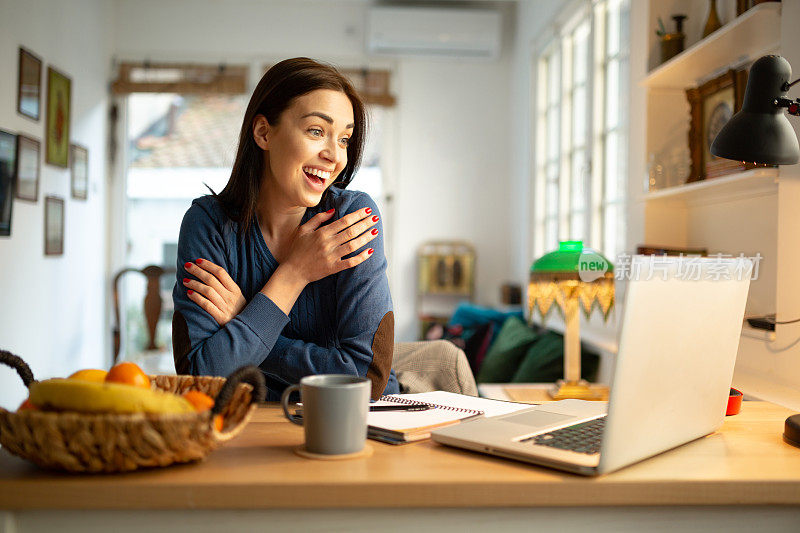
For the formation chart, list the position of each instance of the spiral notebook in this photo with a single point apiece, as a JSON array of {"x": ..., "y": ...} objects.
[{"x": 398, "y": 427}]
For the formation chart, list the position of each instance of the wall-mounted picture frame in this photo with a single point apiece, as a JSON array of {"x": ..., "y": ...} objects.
[
  {"x": 712, "y": 105},
  {"x": 59, "y": 94},
  {"x": 79, "y": 170},
  {"x": 28, "y": 168},
  {"x": 53, "y": 225},
  {"x": 29, "y": 84},
  {"x": 8, "y": 168}
]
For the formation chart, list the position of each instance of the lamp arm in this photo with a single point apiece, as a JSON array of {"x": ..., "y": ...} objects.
[
  {"x": 786, "y": 86},
  {"x": 792, "y": 106}
]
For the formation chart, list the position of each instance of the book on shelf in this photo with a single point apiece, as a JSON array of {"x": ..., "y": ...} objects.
[{"x": 447, "y": 408}]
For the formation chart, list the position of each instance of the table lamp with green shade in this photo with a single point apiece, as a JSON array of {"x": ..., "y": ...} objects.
[{"x": 571, "y": 277}]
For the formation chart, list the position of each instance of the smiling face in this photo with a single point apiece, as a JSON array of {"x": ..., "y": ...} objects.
[{"x": 307, "y": 149}]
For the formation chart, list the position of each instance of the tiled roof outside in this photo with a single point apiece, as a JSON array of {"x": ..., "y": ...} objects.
[{"x": 205, "y": 134}]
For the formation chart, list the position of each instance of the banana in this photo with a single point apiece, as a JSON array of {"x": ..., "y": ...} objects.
[{"x": 92, "y": 397}]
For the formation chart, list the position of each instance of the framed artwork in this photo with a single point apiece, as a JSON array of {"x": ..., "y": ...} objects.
[
  {"x": 59, "y": 89},
  {"x": 8, "y": 168},
  {"x": 712, "y": 105},
  {"x": 53, "y": 225},
  {"x": 79, "y": 165},
  {"x": 29, "y": 85},
  {"x": 28, "y": 168}
]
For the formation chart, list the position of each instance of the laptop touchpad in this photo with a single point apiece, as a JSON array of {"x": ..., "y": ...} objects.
[{"x": 537, "y": 418}]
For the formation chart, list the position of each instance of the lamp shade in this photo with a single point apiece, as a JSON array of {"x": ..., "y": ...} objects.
[
  {"x": 571, "y": 272},
  {"x": 760, "y": 132}
]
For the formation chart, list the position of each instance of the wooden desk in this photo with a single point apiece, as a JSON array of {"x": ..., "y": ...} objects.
[{"x": 745, "y": 464}]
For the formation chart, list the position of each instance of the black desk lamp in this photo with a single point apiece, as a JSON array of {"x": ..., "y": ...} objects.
[{"x": 761, "y": 133}]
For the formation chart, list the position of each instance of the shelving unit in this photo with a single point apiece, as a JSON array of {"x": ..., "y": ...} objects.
[
  {"x": 742, "y": 40},
  {"x": 757, "y": 211},
  {"x": 748, "y": 184}
]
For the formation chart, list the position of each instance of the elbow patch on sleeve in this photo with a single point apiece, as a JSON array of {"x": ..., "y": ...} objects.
[
  {"x": 180, "y": 343},
  {"x": 382, "y": 352}
]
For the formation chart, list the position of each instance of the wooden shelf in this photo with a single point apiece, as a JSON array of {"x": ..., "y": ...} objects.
[
  {"x": 751, "y": 183},
  {"x": 755, "y": 33}
]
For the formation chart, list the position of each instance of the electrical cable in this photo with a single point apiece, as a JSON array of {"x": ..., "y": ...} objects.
[{"x": 771, "y": 318}]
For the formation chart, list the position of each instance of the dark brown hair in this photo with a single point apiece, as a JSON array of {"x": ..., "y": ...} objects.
[{"x": 275, "y": 92}]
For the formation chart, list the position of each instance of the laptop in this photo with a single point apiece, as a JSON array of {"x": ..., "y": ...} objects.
[{"x": 681, "y": 324}]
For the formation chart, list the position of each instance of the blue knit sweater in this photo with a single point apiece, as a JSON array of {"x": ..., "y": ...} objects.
[{"x": 341, "y": 324}]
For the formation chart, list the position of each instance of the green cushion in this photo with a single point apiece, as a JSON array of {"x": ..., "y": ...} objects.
[
  {"x": 544, "y": 361},
  {"x": 507, "y": 351}
]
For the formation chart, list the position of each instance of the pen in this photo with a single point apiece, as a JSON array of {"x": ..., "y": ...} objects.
[{"x": 399, "y": 407}]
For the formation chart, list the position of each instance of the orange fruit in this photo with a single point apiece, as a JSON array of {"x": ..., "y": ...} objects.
[
  {"x": 128, "y": 373},
  {"x": 27, "y": 405},
  {"x": 200, "y": 400},
  {"x": 218, "y": 422},
  {"x": 90, "y": 374}
]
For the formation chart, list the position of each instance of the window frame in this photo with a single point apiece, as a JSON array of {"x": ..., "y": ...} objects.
[{"x": 586, "y": 218}]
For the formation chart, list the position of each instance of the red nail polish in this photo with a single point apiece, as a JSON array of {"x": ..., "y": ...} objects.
[
  {"x": 375, "y": 232},
  {"x": 368, "y": 210},
  {"x": 329, "y": 211},
  {"x": 376, "y": 218},
  {"x": 190, "y": 292},
  {"x": 369, "y": 252},
  {"x": 187, "y": 265},
  {"x": 199, "y": 261},
  {"x": 186, "y": 280}
]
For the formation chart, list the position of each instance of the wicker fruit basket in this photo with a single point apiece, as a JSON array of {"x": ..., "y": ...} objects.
[{"x": 112, "y": 442}]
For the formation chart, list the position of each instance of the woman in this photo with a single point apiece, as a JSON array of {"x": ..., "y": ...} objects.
[{"x": 284, "y": 268}]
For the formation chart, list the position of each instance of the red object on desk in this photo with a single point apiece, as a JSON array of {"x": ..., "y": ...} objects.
[{"x": 734, "y": 402}]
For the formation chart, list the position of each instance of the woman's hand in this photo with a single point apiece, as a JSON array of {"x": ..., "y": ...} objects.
[
  {"x": 216, "y": 292},
  {"x": 317, "y": 252}
]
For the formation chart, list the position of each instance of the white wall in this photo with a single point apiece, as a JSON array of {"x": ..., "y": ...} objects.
[
  {"x": 451, "y": 147},
  {"x": 534, "y": 20},
  {"x": 53, "y": 309}
]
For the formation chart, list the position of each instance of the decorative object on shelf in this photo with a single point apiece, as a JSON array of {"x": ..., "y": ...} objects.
[
  {"x": 446, "y": 268},
  {"x": 572, "y": 277},
  {"x": 712, "y": 105},
  {"x": 79, "y": 166},
  {"x": 511, "y": 294},
  {"x": 712, "y": 22},
  {"x": 671, "y": 43},
  {"x": 742, "y": 6},
  {"x": 8, "y": 154},
  {"x": 59, "y": 91},
  {"x": 30, "y": 84},
  {"x": 647, "y": 249},
  {"x": 28, "y": 168},
  {"x": 445, "y": 275},
  {"x": 760, "y": 133},
  {"x": 53, "y": 225},
  {"x": 668, "y": 168},
  {"x": 655, "y": 173}
]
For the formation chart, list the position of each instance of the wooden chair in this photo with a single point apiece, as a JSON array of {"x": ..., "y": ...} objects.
[{"x": 153, "y": 304}]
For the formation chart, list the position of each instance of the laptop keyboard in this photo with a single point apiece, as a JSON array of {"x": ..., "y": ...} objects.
[{"x": 581, "y": 438}]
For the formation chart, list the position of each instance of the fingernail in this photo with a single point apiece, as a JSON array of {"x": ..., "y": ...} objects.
[
  {"x": 199, "y": 261},
  {"x": 190, "y": 292},
  {"x": 368, "y": 210},
  {"x": 186, "y": 280},
  {"x": 376, "y": 218},
  {"x": 369, "y": 252},
  {"x": 329, "y": 211},
  {"x": 375, "y": 231},
  {"x": 187, "y": 266}
]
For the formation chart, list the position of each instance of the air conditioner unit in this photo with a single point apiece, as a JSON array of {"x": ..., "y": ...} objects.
[{"x": 414, "y": 31}]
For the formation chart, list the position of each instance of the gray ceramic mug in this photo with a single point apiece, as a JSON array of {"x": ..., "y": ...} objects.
[{"x": 335, "y": 410}]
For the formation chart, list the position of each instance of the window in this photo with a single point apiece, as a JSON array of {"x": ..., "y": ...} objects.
[
  {"x": 580, "y": 171},
  {"x": 177, "y": 144}
]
